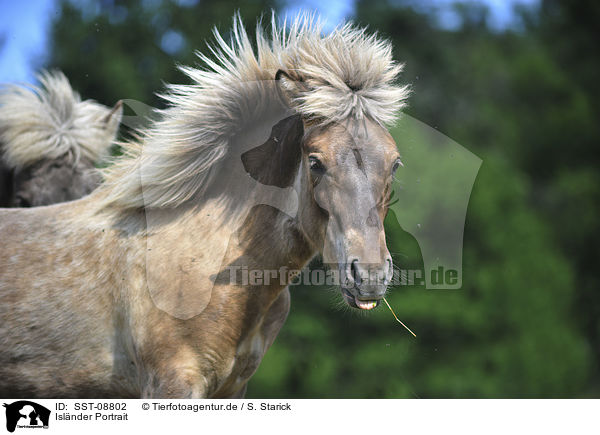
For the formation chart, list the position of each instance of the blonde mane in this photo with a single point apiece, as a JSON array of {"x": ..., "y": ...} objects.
[
  {"x": 326, "y": 78},
  {"x": 50, "y": 121}
]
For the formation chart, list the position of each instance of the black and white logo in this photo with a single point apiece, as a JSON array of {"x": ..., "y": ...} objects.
[{"x": 25, "y": 414}]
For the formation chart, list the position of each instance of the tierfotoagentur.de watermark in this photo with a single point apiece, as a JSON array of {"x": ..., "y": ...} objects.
[{"x": 244, "y": 276}]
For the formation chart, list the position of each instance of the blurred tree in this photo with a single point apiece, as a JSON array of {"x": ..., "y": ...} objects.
[
  {"x": 571, "y": 33},
  {"x": 128, "y": 49}
]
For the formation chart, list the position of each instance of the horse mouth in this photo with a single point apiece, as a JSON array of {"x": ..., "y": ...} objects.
[{"x": 354, "y": 302}]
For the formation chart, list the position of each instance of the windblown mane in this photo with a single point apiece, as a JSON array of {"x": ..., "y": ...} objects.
[
  {"x": 50, "y": 121},
  {"x": 326, "y": 78}
]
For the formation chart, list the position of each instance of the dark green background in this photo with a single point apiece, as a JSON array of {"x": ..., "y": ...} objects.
[{"x": 527, "y": 102}]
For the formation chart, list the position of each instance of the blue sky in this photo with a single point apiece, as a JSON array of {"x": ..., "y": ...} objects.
[{"x": 24, "y": 26}]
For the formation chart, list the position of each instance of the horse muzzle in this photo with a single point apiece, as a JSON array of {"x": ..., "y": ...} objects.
[
  {"x": 363, "y": 287},
  {"x": 355, "y": 302}
]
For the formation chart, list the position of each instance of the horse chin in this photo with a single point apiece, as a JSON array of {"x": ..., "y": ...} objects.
[{"x": 354, "y": 302}]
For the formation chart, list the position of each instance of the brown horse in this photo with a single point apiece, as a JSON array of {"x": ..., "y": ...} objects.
[
  {"x": 267, "y": 159},
  {"x": 49, "y": 142}
]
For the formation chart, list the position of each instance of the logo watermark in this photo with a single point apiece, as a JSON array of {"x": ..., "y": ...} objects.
[
  {"x": 244, "y": 276},
  {"x": 25, "y": 414}
]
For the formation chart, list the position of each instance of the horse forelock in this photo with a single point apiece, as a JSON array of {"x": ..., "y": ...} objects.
[{"x": 326, "y": 78}]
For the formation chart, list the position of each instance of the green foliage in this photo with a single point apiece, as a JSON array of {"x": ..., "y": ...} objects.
[{"x": 113, "y": 50}]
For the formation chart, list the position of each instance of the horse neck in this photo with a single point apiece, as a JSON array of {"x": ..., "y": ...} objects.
[
  {"x": 271, "y": 239},
  {"x": 262, "y": 239}
]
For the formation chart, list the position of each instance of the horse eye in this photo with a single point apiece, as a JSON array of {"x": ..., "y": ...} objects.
[
  {"x": 315, "y": 164},
  {"x": 397, "y": 164}
]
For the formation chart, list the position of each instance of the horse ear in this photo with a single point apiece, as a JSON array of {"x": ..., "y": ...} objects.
[
  {"x": 280, "y": 73},
  {"x": 275, "y": 162},
  {"x": 290, "y": 83},
  {"x": 116, "y": 113}
]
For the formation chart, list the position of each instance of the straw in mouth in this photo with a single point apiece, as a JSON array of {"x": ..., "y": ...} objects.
[{"x": 396, "y": 317}]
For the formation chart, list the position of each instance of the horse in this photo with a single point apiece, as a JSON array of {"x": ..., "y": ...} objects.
[
  {"x": 49, "y": 142},
  {"x": 272, "y": 155}
]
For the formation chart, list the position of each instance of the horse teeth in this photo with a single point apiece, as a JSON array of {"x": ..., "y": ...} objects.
[{"x": 365, "y": 305}]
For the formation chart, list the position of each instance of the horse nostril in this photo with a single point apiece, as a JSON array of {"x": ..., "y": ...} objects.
[
  {"x": 355, "y": 272},
  {"x": 390, "y": 271}
]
